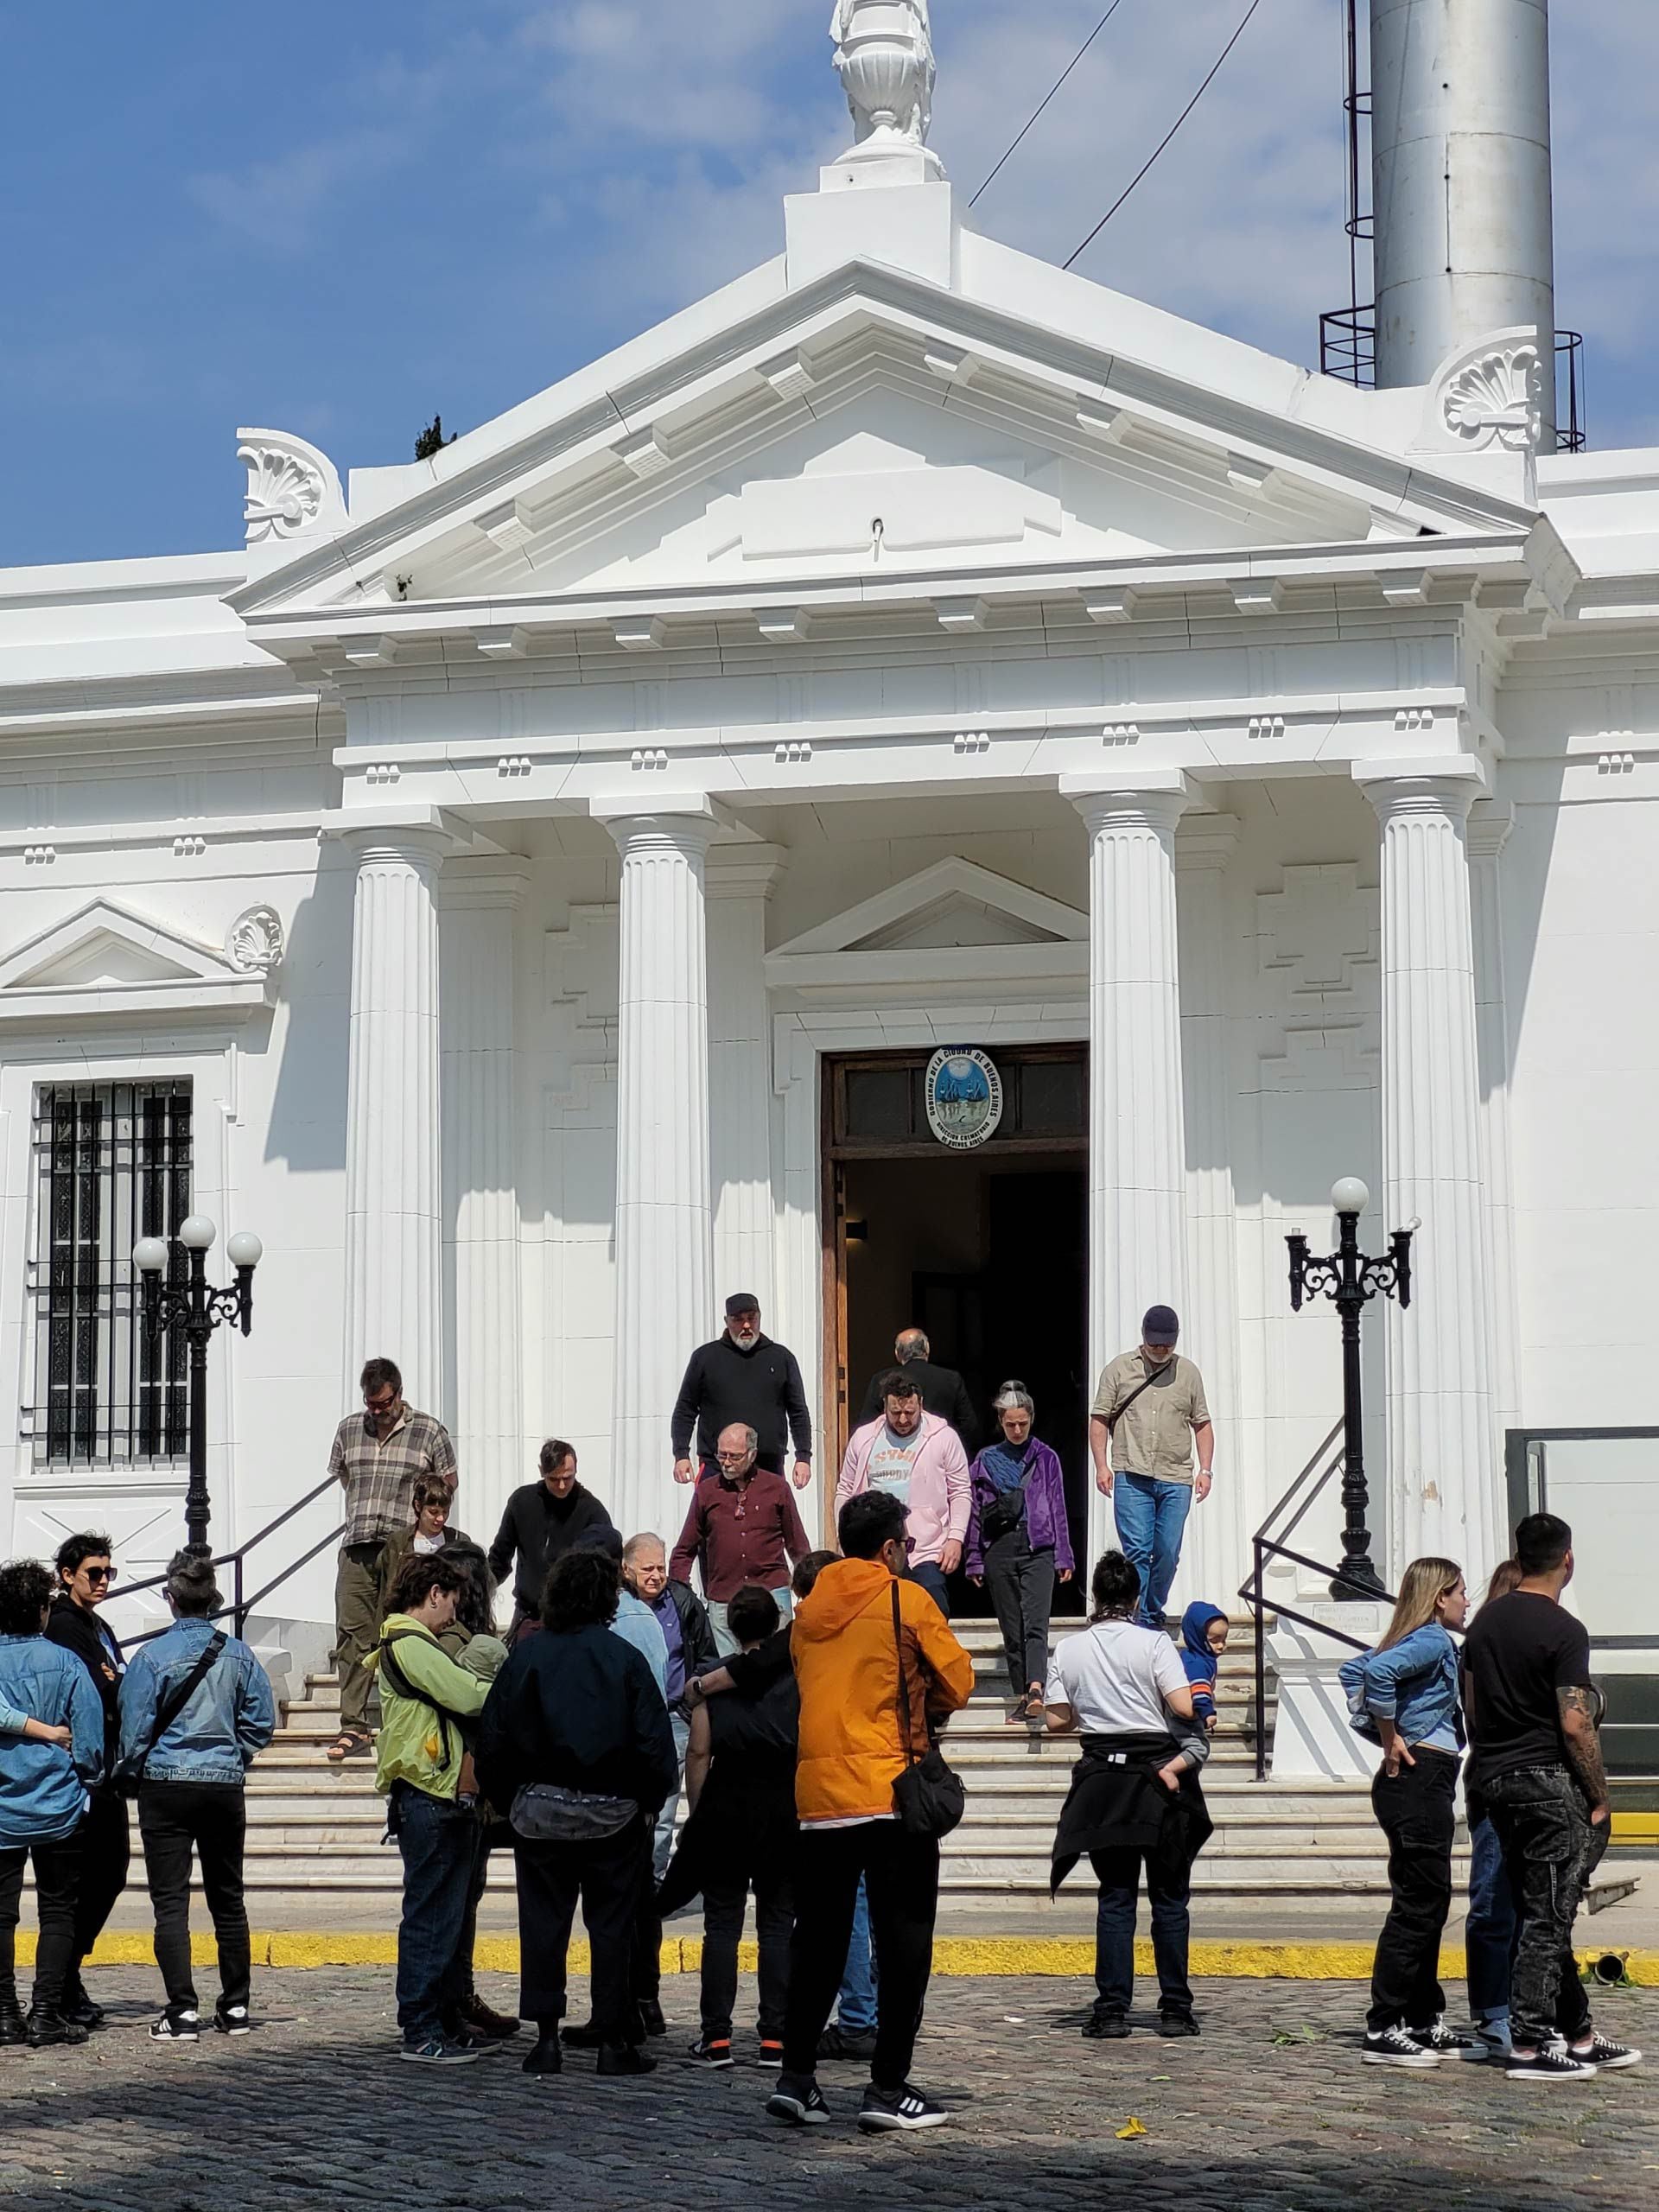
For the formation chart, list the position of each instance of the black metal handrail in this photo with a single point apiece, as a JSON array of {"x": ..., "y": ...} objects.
[
  {"x": 241, "y": 1605},
  {"x": 1318, "y": 1474}
]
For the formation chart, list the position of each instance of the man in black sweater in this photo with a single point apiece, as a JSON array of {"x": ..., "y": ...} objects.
[
  {"x": 944, "y": 1394},
  {"x": 543, "y": 1521},
  {"x": 743, "y": 1380},
  {"x": 86, "y": 1573}
]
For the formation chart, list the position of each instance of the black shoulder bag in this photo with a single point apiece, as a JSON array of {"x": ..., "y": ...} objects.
[
  {"x": 928, "y": 1796},
  {"x": 127, "y": 1781}
]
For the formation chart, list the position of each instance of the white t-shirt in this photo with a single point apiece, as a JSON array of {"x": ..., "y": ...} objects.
[
  {"x": 427, "y": 1543},
  {"x": 891, "y": 1460},
  {"x": 1115, "y": 1676}
]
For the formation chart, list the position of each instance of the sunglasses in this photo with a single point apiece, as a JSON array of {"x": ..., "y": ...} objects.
[{"x": 100, "y": 1573}]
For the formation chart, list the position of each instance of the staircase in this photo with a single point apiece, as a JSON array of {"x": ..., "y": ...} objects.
[{"x": 316, "y": 1828}]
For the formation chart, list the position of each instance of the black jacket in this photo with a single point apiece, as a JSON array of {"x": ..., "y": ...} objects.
[
  {"x": 1117, "y": 1802},
  {"x": 582, "y": 1710},
  {"x": 696, "y": 1630},
  {"x": 761, "y": 1388},
  {"x": 537, "y": 1528},
  {"x": 78, "y": 1631},
  {"x": 944, "y": 1394},
  {"x": 745, "y": 1824}
]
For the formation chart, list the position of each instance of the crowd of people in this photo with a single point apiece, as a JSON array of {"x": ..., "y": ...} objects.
[{"x": 799, "y": 1701}]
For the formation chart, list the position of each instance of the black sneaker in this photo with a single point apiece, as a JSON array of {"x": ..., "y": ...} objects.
[
  {"x": 799, "y": 2098},
  {"x": 650, "y": 2017},
  {"x": 233, "y": 2020},
  {"x": 616, "y": 2058},
  {"x": 711, "y": 2055},
  {"x": 770, "y": 2055},
  {"x": 885, "y": 2111},
  {"x": 847, "y": 2043},
  {"x": 1605, "y": 2057},
  {"x": 1554, "y": 2063},
  {"x": 438, "y": 2050},
  {"x": 1105, "y": 2024},
  {"x": 1174, "y": 2025},
  {"x": 176, "y": 2027},
  {"x": 1393, "y": 2047},
  {"x": 1444, "y": 2040},
  {"x": 45, "y": 2030}
]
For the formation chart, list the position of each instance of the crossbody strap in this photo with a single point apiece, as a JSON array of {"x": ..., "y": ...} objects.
[
  {"x": 170, "y": 1707},
  {"x": 1146, "y": 1383},
  {"x": 904, "y": 1683}
]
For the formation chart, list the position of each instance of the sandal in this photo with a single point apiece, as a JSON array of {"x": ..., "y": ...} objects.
[{"x": 350, "y": 1744}]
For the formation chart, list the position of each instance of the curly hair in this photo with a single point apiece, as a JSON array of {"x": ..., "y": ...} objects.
[
  {"x": 581, "y": 1591},
  {"x": 421, "y": 1574},
  {"x": 25, "y": 1593}
]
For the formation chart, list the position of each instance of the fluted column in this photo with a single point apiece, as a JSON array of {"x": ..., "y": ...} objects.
[
  {"x": 1442, "y": 1463},
  {"x": 480, "y": 1167},
  {"x": 1215, "y": 1561},
  {"x": 740, "y": 880},
  {"x": 1489, "y": 825},
  {"x": 664, "y": 1260},
  {"x": 394, "y": 1284},
  {"x": 1137, "y": 1148}
]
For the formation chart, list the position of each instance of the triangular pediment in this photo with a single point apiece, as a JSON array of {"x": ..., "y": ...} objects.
[
  {"x": 105, "y": 944},
  {"x": 954, "y": 903},
  {"x": 764, "y": 436}
]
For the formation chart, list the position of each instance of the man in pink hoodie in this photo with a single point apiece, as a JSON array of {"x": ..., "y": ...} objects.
[{"x": 917, "y": 1458}]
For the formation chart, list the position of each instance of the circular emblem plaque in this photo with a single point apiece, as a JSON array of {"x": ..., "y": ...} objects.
[{"x": 964, "y": 1097}]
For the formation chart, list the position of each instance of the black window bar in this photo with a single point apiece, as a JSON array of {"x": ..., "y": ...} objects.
[{"x": 113, "y": 1165}]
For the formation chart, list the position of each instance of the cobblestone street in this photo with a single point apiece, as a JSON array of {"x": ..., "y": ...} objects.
[{"x": 1271, "y": 2111}]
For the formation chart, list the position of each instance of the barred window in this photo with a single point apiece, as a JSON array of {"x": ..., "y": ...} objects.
[{"x": 111, "y": 1165}]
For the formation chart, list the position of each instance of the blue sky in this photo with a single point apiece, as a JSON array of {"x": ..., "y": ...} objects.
[{"x": 339, "y": 218}]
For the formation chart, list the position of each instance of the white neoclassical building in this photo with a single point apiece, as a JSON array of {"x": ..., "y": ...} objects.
[{"x": 528, "y": 887}]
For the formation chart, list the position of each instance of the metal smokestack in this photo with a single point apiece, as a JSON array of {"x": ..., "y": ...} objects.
[{"x": 1460, "y": 155}]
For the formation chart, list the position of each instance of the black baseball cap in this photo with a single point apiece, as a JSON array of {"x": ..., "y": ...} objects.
[
  {"x": 1161, "y": 1326},
  {"x": 741, "y": 1301}
]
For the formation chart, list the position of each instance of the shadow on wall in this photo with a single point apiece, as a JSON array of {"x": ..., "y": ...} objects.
[{"x": 308, "y": 1108}]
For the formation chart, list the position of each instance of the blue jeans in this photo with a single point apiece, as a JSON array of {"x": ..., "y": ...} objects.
[
  {"x": 725, "y": 1641},
  {"x": 662, "y": 1849},
  {"x": 440, "y": 1842},
  {"x": 1151, "y": 1521},
  {"x": 931, "y": 1575},
  {"x": 856, "y": 2006},
  {"x": 1489, "y": 1931},
  {"x": 1118, "y": 1872}
]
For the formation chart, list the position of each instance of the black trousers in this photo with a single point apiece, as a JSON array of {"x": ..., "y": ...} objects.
[
  {"x": 210, "y": 1818},
  {"x": 1022, "y": 1584},
  {"x": 1416, "y": 1811},
  {"x": 105, "y": 1855},
  {"x": 901, "y": 1880},
  {"x": 1550, "y": 1851},
  {"x": 57, "y": 1879},
  {"x": 723, "y": 1908},
  {"x": 606, "y": 1876}
]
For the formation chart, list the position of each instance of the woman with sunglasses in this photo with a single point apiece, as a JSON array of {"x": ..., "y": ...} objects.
[{"x": 86, "y": 1578}]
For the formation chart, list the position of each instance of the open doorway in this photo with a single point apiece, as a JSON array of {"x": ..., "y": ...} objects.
[{"x": 986, "y": 1249}]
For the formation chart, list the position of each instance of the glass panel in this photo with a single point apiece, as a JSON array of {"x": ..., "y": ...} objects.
[
  {"x": 1607, "y": 1489},
  {"x": 877, "y": 1104},
  {"x": 1051, "y": 1099}
]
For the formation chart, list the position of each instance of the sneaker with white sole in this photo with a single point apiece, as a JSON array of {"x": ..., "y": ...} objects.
[
  {"x": 233, "y": 2020},
  {"x": 176, "y": 2026},
  {"x": 799, "y": 2098},
  {"x": 1444, "y": 2040},
  {"x": 1490, "y": 2044},
  {"x": 712, "y": 2055},
  {"x": 1393, "y": 2047},
  {"x": 1606, "y": 2057},
  {"x": 1554, "y": 2063},
  {"x": 885, "y": 2111},
  {"x": 436, "y": 2050}
]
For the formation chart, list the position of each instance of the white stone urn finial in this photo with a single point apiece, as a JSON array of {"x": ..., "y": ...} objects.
[{"x": 884, "y": 56}]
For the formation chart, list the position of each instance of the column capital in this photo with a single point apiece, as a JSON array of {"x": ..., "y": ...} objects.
[
  {"x": 1447, "y": 785},
  {"x": 423, "y": 836},
  {"x": 1207, "y": 842},
  {"x": 687, "y": 823},
  {"x": 1156, "y": 799}
]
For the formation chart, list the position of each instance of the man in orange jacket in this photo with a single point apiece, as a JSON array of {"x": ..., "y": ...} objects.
[{"x": 853, "y": 1663}]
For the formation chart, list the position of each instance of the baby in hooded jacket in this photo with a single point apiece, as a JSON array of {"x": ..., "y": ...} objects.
[{"x": 1204, "y": 1638}]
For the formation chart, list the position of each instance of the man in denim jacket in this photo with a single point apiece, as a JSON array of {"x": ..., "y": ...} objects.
[
  {"x": 43, "y": 1777},
  {"x": 190, "y": 1791}
]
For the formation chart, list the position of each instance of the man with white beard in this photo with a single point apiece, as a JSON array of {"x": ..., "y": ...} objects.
[{"x": 742, "y": 1379}]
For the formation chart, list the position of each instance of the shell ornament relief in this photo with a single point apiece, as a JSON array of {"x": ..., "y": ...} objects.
[
  {"x": 1498, "y": 400},
  {"x": 285, "y": 493},
  {"x": 255, "y": 942}
]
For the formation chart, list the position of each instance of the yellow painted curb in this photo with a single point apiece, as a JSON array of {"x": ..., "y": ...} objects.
[{"x": 960, "y": 1957}]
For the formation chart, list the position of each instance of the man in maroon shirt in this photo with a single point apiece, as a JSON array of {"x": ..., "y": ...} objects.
[{"x": 742, "y": 1530}]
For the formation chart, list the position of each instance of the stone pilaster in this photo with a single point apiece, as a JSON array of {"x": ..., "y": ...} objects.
[
  {"x": 1489, "y": 825},
  {"x": 1217, "y": 1558},
  {"x": 481, "y": 1166},
  {"x": 664, "y": 1231},
  {"x": 1443, "y": 1494},
  {"x": 1137, "y": 1141},
  {"x": 394, "y": 1280}
]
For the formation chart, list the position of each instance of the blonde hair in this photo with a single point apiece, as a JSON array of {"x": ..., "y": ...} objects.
[{"x": 1422, "y": 1585}]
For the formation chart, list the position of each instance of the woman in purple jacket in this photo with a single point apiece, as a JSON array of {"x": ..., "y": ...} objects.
[{"x": 1018, "y": 1540}]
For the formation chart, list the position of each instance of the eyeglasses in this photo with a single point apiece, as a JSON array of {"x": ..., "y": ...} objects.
[{"x": 100, "y": 1573}]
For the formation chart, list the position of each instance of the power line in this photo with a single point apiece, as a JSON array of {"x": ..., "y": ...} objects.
[
  {"x": 1215, "y": 71},
  {"x": 1037, "y": 116}
]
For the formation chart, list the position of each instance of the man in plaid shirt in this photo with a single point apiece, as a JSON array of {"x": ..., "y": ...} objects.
[{"x": 378, "y": 1453}]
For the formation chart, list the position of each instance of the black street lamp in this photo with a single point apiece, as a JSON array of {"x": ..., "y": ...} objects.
[
  {"x": 197, "y": 1308},
  {"x": 1352, "y": 1281}
]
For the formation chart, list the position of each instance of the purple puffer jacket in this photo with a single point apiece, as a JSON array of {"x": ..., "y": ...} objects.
[{"x": 1046, "y": 1522}]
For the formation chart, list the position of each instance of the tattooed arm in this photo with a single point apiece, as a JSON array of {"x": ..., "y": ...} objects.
[{"x": 1577, "y": 1712}]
